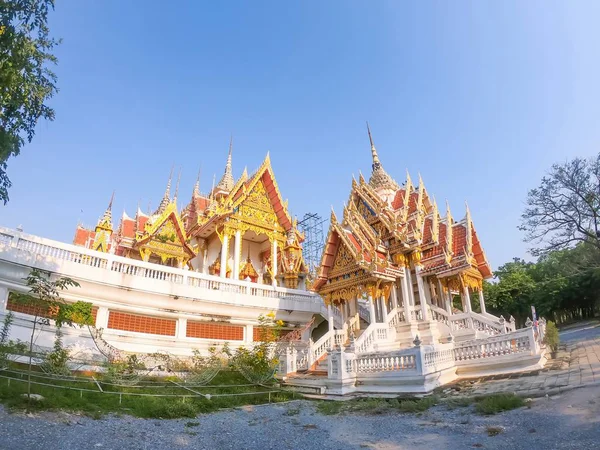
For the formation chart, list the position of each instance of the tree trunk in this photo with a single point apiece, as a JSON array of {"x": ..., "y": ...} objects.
[{"x": 30, "y": 361}]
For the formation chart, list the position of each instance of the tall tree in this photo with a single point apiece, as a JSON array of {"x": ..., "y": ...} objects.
[
  {"x": 26, "y": 80},
  {"x": 565, "y": 209}
]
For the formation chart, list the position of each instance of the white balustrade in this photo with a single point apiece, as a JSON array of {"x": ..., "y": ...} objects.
[
  {"x": 387, "y": 362},
  {"x": 521, "y": 341},
  {"x": 45, "y": 253}
]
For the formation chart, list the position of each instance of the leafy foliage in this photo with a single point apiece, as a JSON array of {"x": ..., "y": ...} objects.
[
  {"x": 259, "y": 362},
  {"x": 565, "y": 209},
  {"x": 56, "y": 362},
  {"x": 26, "y": 81},
  {"x": 4, "y": 333},
  {"x": 563, "y": 285}
]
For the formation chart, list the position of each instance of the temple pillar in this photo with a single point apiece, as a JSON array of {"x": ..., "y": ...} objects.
[
  {"x": 406, "y": 297},
  {"x": 224, "y": 256},
  {"x": 467, "y": 299},
  {"x": 237, "y": 250},
  {"x": 422, "y": 295},
  {"x": 384, "y": 311},
  {"x": 482, "y": 302},
  {"x": 372, "y": 309},
  {"x": 330, "y": 317},
  {"x": 446, "y": 298},
  {"x": 274, "y": 262},
  {"x": 394, "y": 295}
]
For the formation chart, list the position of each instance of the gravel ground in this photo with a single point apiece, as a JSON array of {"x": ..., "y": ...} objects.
[{"x": 569, "y": 421}]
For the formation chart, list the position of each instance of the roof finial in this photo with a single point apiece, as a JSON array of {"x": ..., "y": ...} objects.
[
  {"x": 197, "y": 185},
  {"x": 376, "y": 161},
  {"x": 177, "y": 186},
  {"x": 168, "y": 190},
  {"x": 167, "y": 197},
  {"x": 112, "y": 197},
  {"x": 227, "y": 180}
]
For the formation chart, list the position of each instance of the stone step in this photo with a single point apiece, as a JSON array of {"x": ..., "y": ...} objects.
[{"x": 305, "y": 388}]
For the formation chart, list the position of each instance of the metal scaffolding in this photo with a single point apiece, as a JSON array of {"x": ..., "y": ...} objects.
[{"x": 312, "y": 227}]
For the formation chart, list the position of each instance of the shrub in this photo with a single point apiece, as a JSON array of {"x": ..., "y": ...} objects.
[{"x": 552, "y": 338}]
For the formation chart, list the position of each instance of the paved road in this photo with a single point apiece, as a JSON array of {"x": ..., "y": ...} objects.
[{"x": 587, "y": 332}]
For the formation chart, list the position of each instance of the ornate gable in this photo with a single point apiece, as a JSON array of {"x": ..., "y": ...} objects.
[{"x": 165, "y": 237}]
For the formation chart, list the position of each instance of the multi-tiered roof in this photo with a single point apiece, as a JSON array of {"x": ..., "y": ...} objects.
[{"x": 385, "y": 227}]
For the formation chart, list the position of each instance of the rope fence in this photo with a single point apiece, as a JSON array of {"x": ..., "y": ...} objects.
[{"x": 206, "y": 396}]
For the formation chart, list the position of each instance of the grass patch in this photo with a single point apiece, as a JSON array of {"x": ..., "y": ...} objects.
[
  {"x": 494, "y": 404},
  {"x": 374, "y": 406},
  {"x": 97, "y": 404},
  {"x": 292, "y": 412},
  {"x": 192, "y": 424},
  {"x": 459, "y": 402}
]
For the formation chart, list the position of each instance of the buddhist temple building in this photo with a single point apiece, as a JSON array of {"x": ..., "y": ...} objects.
[
  {"x": 396, "y": 305},
  {"x": 241, "y": 230}
]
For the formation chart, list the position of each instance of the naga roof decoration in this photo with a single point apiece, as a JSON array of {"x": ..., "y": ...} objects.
[{"x": 381, "y": 233}]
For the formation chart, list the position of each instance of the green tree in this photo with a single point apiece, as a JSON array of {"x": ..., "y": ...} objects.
[
  {"x": 513, "y": 291},
  {"x": 45, "y": 298},
  {"x": 26, "y": 80},
  {"x": 565, "y": 209}
]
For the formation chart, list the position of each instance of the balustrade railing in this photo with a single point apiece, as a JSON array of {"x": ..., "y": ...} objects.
[
  {"x": 364, "y": 313},
  {"x": 521, "y": 341},
  {"x": 396, "y": 317},
  {"x": 58, "y": 251},
  {"x": 390, "y": 362}
]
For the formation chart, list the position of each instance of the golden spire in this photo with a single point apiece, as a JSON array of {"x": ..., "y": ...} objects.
[
  {"x": 435, "y": 225},
  {"x": 469, "y": 237},
  {"x": 167, "y": 197},
  {"x": 105, "y": 221},
  {"x": 227, "y": 181},
  {"x": 374, "y": 154},
  {"x": 449, "y": 231},
  {"x": 197, "y": 185},
  {"x": 379, "y": 177},
  {"x": 177, "y": 186}
]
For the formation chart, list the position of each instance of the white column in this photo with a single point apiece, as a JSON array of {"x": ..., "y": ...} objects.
[
  {"x": 446, "y": 298},
  {"x": 102, "y": 317},
  {"x": 384, "y": 311},
  {"x": 330, "y": 317},
  {"x": 422, "y": 296},
  {"x": 482, "y": 302},
  {"x": 372, "y": 309},
  {"x": 181, "y": 328},
  {"x": 3, "y": 297},
  {"x": 205, "y": 261},
  {"x": 406, "y": 297},
  {"x": 249, "y": 333},
  {"x": 467, "y": 300},
  {"x": 394, "y": 296},
  {"x": 237, "y": 250},
  {"x": 224, "y": 256},
  {"x": 274, "y": 262},
  {"x": 411, "y": 291}
]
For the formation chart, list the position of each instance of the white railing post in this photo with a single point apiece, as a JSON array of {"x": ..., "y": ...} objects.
[{"x": 102, "y": 317}]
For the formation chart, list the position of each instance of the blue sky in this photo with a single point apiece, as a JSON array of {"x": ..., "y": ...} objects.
[{"x": 479, "y": 97}]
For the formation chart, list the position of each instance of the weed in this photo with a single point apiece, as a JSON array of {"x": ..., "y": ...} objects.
[
  {"x": 460, "y": 402},
  {"x": 494, "y": 404},
  {"x": 329, "y": 408},
  {"x": 292, "y": 412},
  {"x": 494, "y": 431},
  {"x": 192, "y": 424}
]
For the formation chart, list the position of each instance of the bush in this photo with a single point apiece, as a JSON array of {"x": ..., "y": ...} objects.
[{"x": 552, "y": 339}]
